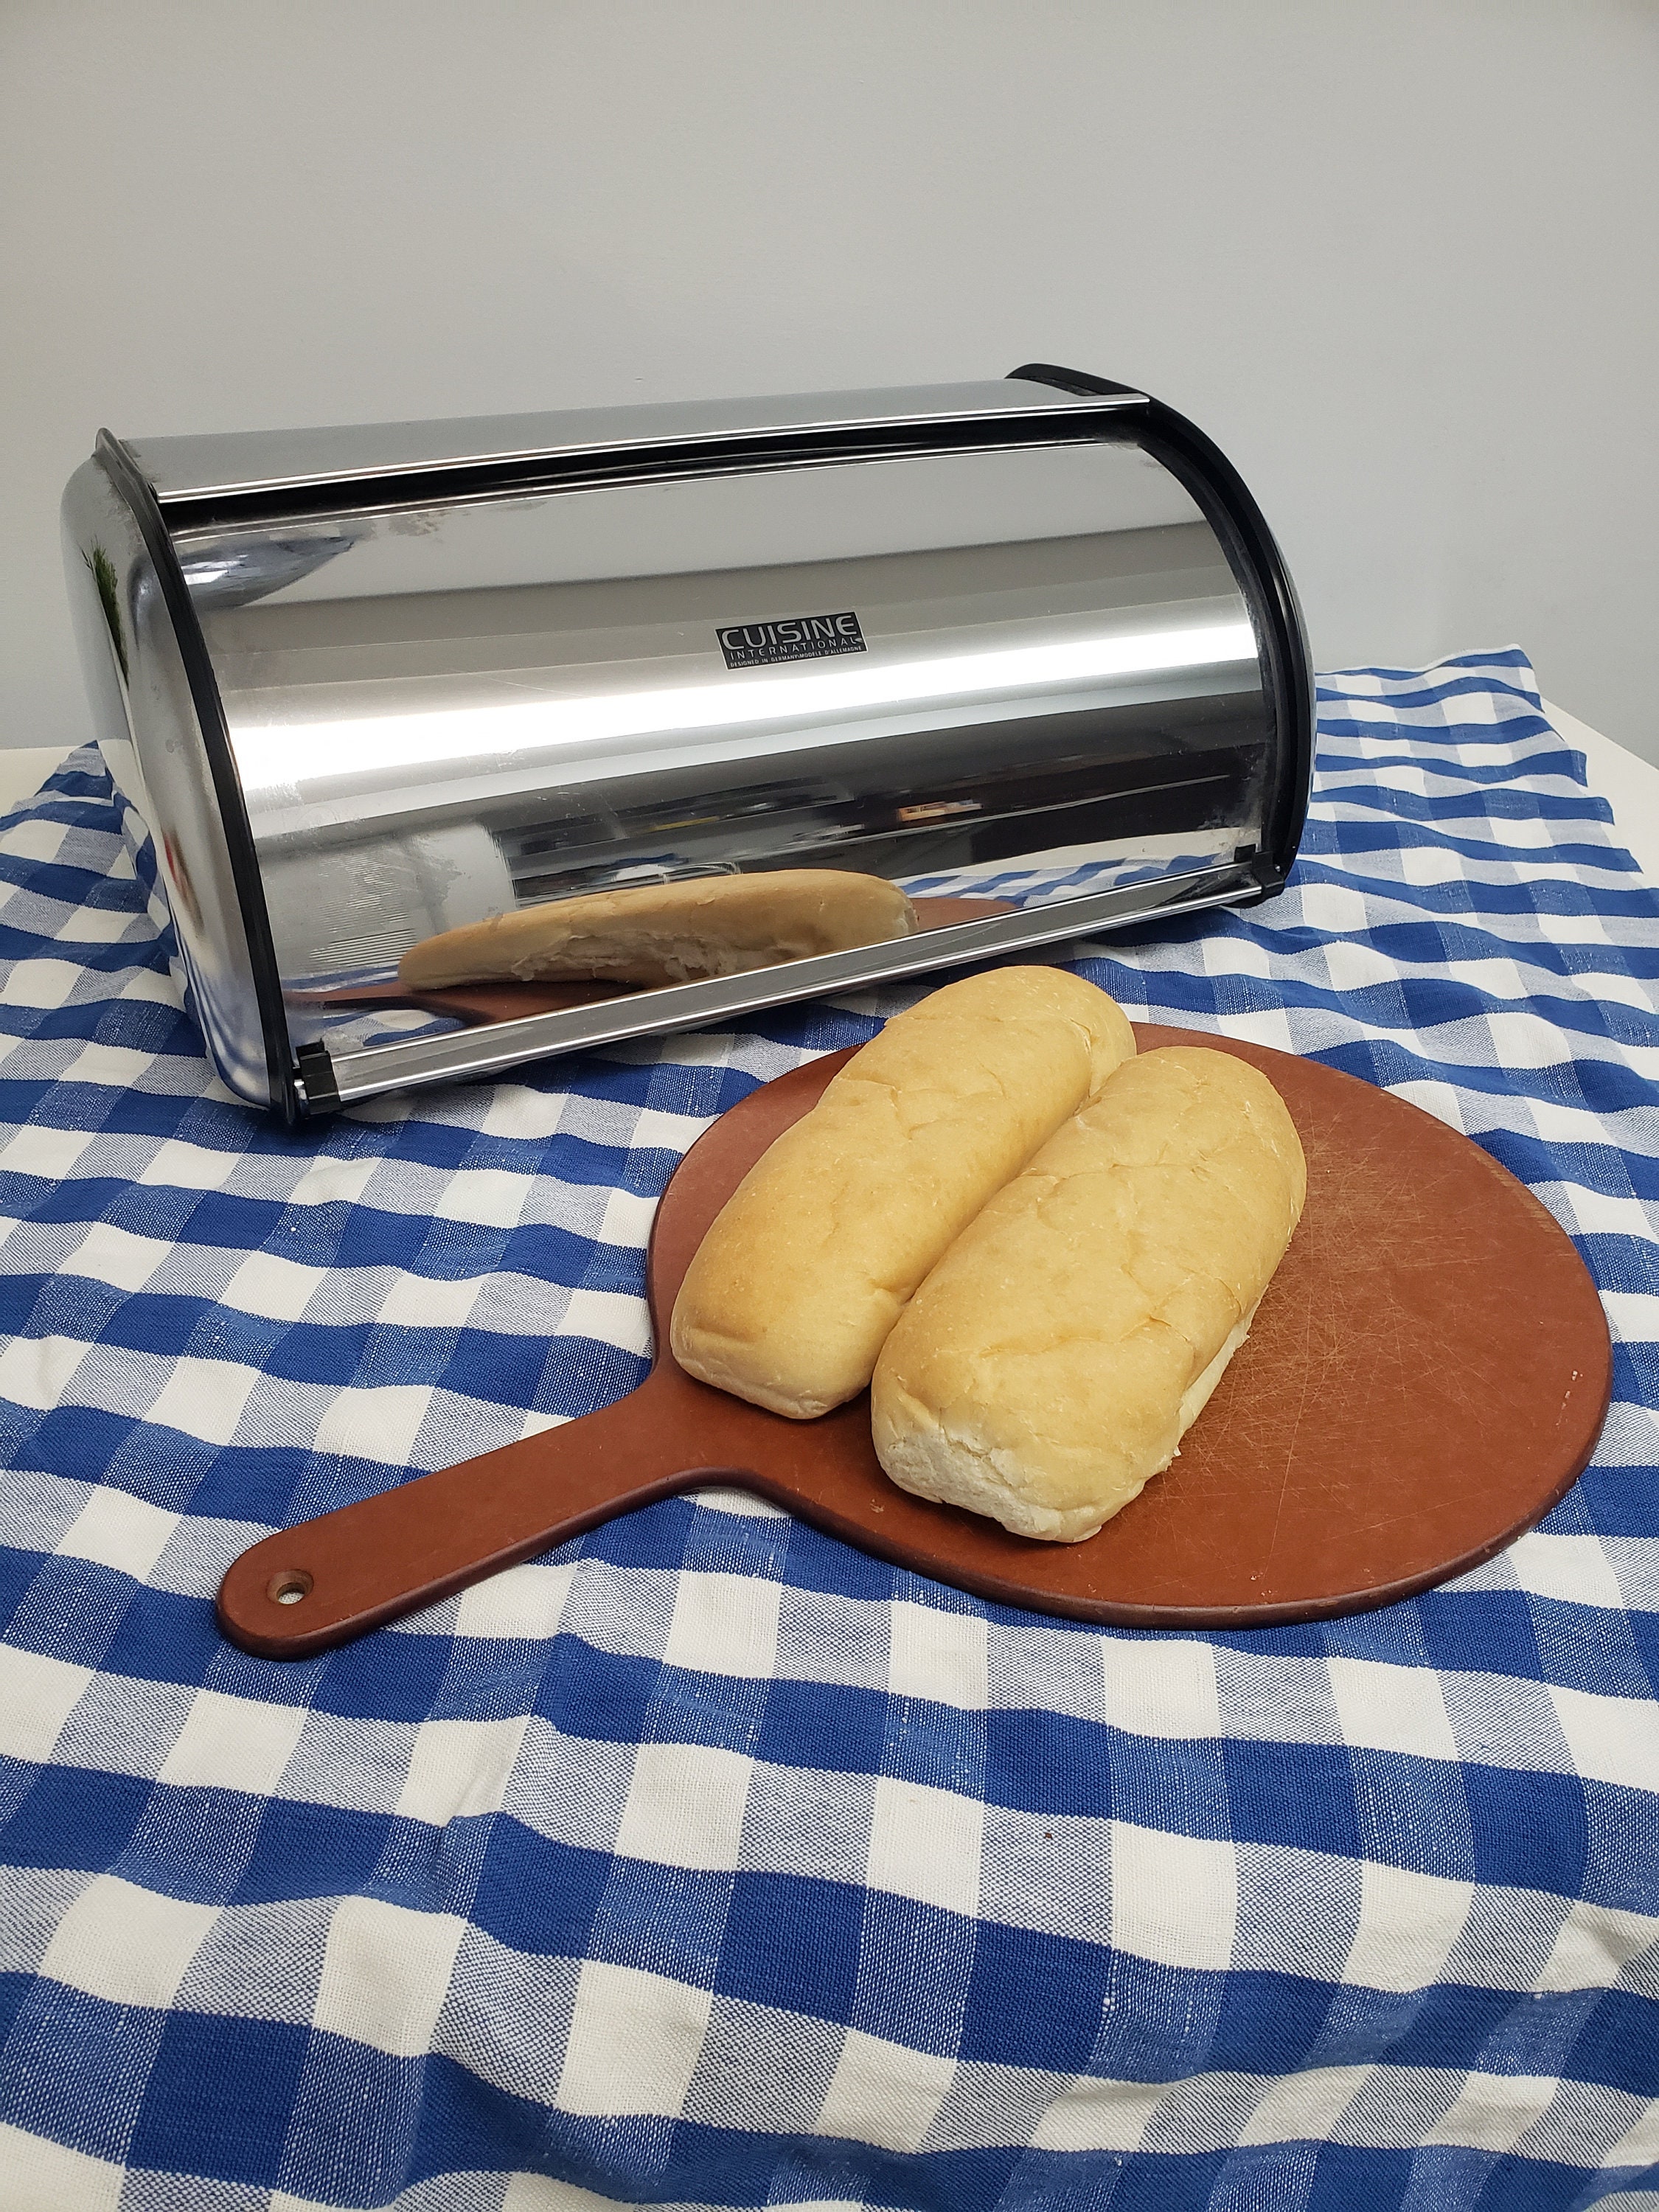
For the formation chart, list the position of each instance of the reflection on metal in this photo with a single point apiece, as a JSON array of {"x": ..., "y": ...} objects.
[
  {"x": 108, "y": 586},
  {"x": 147, "y": 723},
  {"x": 443, "y": 672},
  {"x": 443, "y": 1058},
  {"x": 235, "y": 573}
]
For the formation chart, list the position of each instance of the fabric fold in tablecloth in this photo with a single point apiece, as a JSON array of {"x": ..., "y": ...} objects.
[{"x": 705, "y": 1861}]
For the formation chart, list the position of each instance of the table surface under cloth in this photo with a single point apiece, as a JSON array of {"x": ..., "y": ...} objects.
[{"x": 707, "y": 1861}]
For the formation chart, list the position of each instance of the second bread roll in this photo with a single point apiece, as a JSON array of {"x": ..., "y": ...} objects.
[
  {"x": 1051, "y": 1362},
  {"x": 813, "y": 1257}
]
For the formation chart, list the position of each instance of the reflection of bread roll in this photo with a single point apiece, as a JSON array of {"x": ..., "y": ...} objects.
[
  {"x": 668, "y": 933},
  {"x": 812, "y": 1258},
  {"x": 1050, "y": 1363}
]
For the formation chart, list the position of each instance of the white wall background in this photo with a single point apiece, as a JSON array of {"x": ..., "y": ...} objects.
[{"x": 1400, "y": 257}]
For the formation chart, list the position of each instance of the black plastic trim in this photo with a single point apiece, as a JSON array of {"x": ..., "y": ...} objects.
[
  {"x": 140, "y": 497},
  {"x": 746, "y": 454},
  {"x": 1078, "y": 381},
  {"x": 1231, "y": 511},
  {"x": 316, "y": 1070}
]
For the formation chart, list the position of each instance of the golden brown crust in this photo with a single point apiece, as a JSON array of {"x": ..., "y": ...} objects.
[
  {"x": 672, "y": 933},
  {"x": 814, "y": 1256},
  {"x": 1047, "y": 1367}
]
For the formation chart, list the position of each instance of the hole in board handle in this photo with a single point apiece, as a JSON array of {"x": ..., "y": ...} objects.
[{"x": 289, "y": 1586}]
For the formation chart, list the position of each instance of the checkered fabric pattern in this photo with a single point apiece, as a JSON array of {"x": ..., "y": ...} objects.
[{"x": 707, "y": 1862}]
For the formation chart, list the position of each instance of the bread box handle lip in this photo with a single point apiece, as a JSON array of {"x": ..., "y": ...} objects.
[
  {"x": 333, "y": 1079},
  {"x": 189, "y": 473}
]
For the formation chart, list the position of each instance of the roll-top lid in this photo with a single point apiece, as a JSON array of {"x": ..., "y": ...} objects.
[{"x": 259, "y": 463}]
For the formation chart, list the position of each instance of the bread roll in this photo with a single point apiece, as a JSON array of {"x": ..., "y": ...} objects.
[
  {"x": 668, "y": 933},
  {"x": 1049, "y": 1366},
  {"x": 813, "y": 1257}
]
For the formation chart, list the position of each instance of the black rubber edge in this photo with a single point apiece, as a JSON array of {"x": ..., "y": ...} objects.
[
  {"x": 135, "y": 489},
  {"x": 1077, "y": 380},
  {"x": 1250, "y": 546}
]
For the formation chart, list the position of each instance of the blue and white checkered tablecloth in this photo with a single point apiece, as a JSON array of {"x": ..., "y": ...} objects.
[{"x": 707, "y": 1862}]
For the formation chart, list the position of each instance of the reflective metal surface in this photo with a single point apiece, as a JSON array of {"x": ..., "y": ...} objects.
[
  {"x": 358, "y": 452},
  {"x": 1035, "y": 678},
  {"x": 444, "y": 1059},
  {"x": 146, "y": 722}
]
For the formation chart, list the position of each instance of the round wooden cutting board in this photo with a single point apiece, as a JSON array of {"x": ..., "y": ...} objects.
[{"x": 1426, "y": 1376}]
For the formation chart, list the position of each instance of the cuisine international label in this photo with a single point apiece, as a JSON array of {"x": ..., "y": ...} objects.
[{"x": 800, "y": 637}]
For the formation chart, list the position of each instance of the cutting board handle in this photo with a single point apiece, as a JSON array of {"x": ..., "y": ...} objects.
[{"x": 306, "y": 1589}]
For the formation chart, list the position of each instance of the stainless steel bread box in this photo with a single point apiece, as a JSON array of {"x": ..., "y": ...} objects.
[{"x": 1027, "y": 642}]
